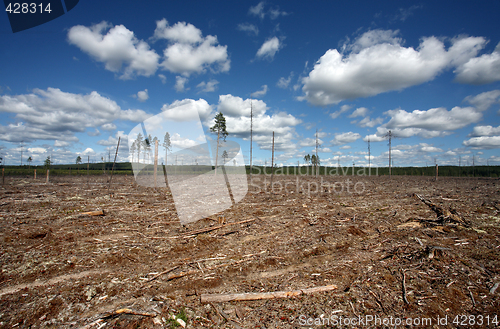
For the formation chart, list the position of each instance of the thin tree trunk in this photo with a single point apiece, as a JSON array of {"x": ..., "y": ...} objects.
[{"x": 217, "y": 152}]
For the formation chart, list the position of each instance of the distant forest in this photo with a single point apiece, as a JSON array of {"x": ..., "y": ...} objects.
[{"x": 125, "y": 168}]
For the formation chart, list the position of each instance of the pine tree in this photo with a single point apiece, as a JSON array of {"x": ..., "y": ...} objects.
[
  {"x": 220, "y": 128},
  {"x": 167, "y": 145}
]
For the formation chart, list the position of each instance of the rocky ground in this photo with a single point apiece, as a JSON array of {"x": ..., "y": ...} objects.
[{"x": 390, "y": 255}]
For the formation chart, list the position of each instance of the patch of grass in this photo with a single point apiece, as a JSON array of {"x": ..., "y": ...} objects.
[{"x": 172, "y": 323}]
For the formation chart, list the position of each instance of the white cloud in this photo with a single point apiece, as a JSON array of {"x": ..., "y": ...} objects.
[
  {"x": 57, "y": 115},
  {"x": 108, "y": 126},
  {"x": 143, "y": 95},
  {"x": 180, "y": 84},
  {"x": 429, "y": 148},
  {"x": 209, "y": 86},
  {"x": 113, "y": 141},
  {"x": 257, "y": 10},
  {"x": 116, "y": 47},
  {"x": 436, "y": 119},
  {"x": 374, "y": 138},
  {"x": 284, "y": 83},
  {"x": 163, "y": 78},
  {"x": 235, "y": 106},
  {"x": 309, "y": 142},
  {"x": 249, "y": 28},
  {"x": 484, "y": 100},
  {"x": 179, "y": 32},
  {"x": 343, "y": 108},
  {"x": 345, "y": 138},
  {"x": 367, "y": 122},
  {"x": 182, "y": 143},
  {"x": 37, "y": 150},
  {"x": 88, "y": 151},
  {"x": 188, "y": 51},
  {"x": 237, "y": 112},
  {"x": 58, "y": 143},
  {"x": 345, "y": 147},
  {"x": 483, "y": 142},
  {"x": 480, "y": 70},
  {"x": 377, "y": 63},
  {"x": 269, "y": 48},
  {"x": 181, "y": 110},
  {"x": 260, "y": 93},
  {"x": 359, "y": 112},
  {"x": 485, "y": 131}
]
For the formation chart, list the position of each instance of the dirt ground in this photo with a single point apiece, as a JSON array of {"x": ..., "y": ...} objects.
[{"x": 388, "y": 253}]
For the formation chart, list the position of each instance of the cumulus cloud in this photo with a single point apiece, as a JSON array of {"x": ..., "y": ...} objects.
[
  {"x": 249, "y": 28},
  {"x": 108, "y": 126},
  {"x": 163, "y": 78},
  {"x": 480, "y": 70},
  {"x": 179, "y": 32},
  {"x": 429, "y": 148},
  {"x": 180, "y": 110},
  {"x": 116, "y": 47},
  {"x": 260, "y": 93},
  {"x": 485, "y": 100},
  {"x": 484, "y": 137},
  {"x": 182, "y": 143},
  {"x": 143, "y": 95},
  {"x": 483, "y": 142},
  {"x": 284, "y": 83},
  {"x": 235, "y": 106},
  {"x": 56, "y": 115},
  {"x": 180, "y": 83},
  {"x": 237, "y": 112},
  {"x": 309, "y": 142},
  {"x": 343, "y": 108},
  {"x": 485, "y": 131},
  {"x": 368, "y": 122},
  {"x": 209, "y": 86},
  {"x": 188, "y": 51},
  {"x": 359, "y": 112},
  {"x": 113, "y": 140},
  {"x": 435, "y": 122},
  {"x": 436, "y": 119},
  {"x": 345, "y": 138},
  {"x": 377, "y": 62},
  {"x": 269, "y": 48}
]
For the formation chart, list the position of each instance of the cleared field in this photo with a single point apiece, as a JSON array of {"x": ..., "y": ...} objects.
[{"x": 387, "y": 252}]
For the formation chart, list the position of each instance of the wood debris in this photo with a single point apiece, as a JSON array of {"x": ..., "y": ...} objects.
[
  {"x": 219, "y": 298},
  {"x": 443, "y": 215}
]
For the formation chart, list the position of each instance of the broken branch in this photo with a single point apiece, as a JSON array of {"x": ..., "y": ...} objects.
[
  {"x": 162, "y": 273},
  {"x": 218, "y": 298},
  {"x": 93, "y": 213}
]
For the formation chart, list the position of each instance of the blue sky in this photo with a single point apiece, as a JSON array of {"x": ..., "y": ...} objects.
[{"x": 428, "y": 71}]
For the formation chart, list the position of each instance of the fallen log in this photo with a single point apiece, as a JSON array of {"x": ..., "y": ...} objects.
[
  {"x": 126, "y": 311},
  {"x": 93, "y": 213},
  {"x": 219, "y": 298}
]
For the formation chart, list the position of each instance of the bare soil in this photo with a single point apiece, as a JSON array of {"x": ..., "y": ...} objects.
[{"x": 381, "y": 246}]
